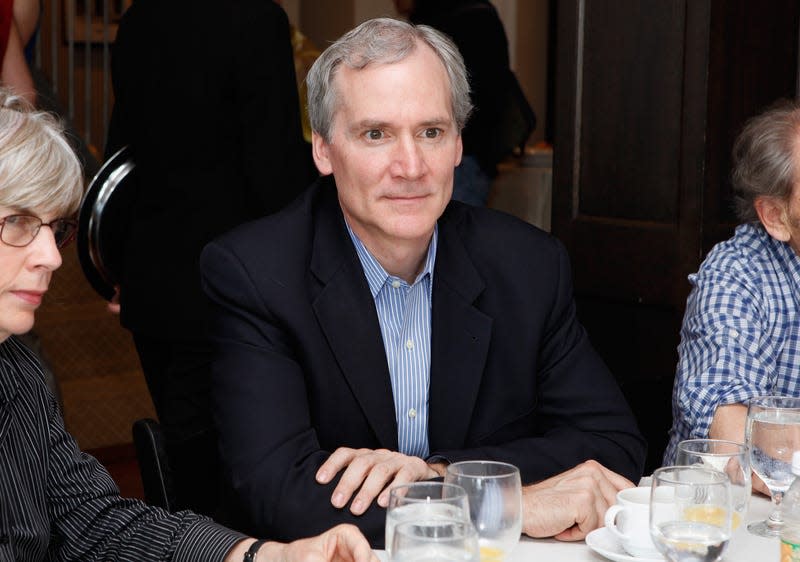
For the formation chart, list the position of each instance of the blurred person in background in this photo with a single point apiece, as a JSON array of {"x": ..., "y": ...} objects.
[{"x": 205, "y": 96}]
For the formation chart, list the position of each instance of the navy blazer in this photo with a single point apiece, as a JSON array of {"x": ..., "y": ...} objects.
[{"x": 301, "y": 368}]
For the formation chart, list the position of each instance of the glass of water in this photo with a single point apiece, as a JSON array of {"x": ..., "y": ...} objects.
[
  {"x": 772, "y": 434},
  {"x": 690, "y": 513},
  {"x": 729, "y": 457},
  {"x": 494, "y": 490},
  {"x": 435, "y": 540},
  {"x": 424, "y": 501}
]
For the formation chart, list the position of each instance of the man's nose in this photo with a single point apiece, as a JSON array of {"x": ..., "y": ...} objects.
[{"x": 409, "y": 159}]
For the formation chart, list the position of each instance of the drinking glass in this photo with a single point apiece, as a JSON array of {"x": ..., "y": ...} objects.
[
  {"x": 690, "y": 513},
  {"x": 725, "y": 456},
  {"x": 772, "y": 434},
  {"x": 495, "y": 504},
  {"x": 435, "y": 540},
  {"x": 424, "y": 501}
]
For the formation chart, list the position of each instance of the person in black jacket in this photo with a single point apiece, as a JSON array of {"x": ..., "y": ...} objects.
[
  {"x": 394, "y": 331},
  {"x": 205, "y": 95}
]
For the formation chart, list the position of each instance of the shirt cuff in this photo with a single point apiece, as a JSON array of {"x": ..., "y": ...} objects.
[{"x": 206, "y": 540}]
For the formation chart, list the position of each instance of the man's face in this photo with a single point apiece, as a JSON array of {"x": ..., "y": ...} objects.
[{"x": 394, "y": 146}]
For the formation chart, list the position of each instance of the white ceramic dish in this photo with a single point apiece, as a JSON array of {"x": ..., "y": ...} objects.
[{"x": 606, "y": 544}]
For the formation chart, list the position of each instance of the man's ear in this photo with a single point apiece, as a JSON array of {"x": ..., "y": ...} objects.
[
  {"x": 774, "y": 216},
  {"x": 321, "y": 152}
]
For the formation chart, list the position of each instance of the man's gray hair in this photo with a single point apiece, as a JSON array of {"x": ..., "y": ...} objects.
[
  {"x": 764, "y": 158},
  {"x": 39, "y": 171},
  {"x": 381, "y": 41}
]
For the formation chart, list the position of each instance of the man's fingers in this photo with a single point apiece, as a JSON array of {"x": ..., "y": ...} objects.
[
  {"x": 391, "y": 470},
  {"x": 617, "y": 480},
  {"x": 339, "y": 459},
  {"x": 351, "y": 545},
  {"x": 352, "y": 479},
  {"x": 759, "y": 486}
]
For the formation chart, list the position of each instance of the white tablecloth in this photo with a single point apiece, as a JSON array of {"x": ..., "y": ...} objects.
[{"x": 744, "y": 547}]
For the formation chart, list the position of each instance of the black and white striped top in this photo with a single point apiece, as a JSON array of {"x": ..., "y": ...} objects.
[{"x": 57, "y": 503}]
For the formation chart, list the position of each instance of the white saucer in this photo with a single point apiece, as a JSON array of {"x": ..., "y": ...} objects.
[{"x": 605, "y": 544}]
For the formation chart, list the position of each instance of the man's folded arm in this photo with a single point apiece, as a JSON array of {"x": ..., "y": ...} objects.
[{"x": 268, "y": 445}]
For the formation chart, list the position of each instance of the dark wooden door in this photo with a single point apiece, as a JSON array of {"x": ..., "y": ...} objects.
[{"x": 649, "y": 96}]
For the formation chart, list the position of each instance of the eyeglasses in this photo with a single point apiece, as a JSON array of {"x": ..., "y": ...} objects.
[{"x": 20, "y": 230}]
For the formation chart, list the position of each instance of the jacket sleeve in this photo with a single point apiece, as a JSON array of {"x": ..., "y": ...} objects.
[
  {"x": 267, "y": 441},
  {"x": 578, "y": 411}
]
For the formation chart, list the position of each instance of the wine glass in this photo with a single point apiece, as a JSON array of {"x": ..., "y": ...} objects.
[
  {"x": 435, "y": 540},
  {"x": 772, "y": 434},
  {"x": 690, "y": 513},
  {"x": 494, "y": 490},
  {"x": 725, "y": 456},
  {"x": 424, "y": 501}
]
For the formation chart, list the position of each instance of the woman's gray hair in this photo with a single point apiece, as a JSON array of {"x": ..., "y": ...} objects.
[
  {"x": 764, "y": 157},
  {"x": 39, "y": 170},
  {"x": 381, "y": 41}
]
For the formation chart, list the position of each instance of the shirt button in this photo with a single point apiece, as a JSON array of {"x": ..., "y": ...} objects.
[
  {"x": 409, "y": 344},
  {"x": 734, "y": 334},
  {"x": 412, "y": 413},
  {"x": 396, "y": 284}
]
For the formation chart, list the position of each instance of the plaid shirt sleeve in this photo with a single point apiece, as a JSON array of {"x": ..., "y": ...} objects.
[{"x": 727, "y": 353}]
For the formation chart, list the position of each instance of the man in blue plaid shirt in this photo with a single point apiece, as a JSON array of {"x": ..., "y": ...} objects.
[{"x": 741, "y": 335}]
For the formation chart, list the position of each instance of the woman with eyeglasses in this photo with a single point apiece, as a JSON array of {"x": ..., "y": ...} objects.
[{"x": 57, "y": 503}]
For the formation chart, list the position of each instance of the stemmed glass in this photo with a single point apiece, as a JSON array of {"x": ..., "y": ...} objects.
[
  {"x": 772, "y": 434},
  {"x": 435, "y": 540},
  {"x": 424, "y": 501},
  {"x": 725, "y": 456},
  {"x": 690, "y": 513},
  {"x": 494, "y": 490}
]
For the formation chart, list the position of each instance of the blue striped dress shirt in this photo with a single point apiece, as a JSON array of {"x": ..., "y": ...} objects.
[{"x": 404, "y": 314}]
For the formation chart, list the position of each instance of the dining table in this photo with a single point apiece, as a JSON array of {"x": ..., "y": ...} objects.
[{"x": 743, "y": 547}]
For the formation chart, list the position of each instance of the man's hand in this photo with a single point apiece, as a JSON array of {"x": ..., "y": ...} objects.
[
  {"x": 372, "y": 473},
  {"x": 343, "y": 543},
  {"x": 570, "y": 505}
]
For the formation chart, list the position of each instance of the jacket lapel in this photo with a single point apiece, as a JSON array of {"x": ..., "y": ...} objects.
[
  {"x": 346, "y": 312},
  {"x": 460, "y": 337}
]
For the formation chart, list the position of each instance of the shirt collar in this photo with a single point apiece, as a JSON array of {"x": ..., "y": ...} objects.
[{"x": 374, "y": 272}]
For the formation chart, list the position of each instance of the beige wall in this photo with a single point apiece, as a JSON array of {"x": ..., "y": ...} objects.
[{"x": 531, "y": 57}]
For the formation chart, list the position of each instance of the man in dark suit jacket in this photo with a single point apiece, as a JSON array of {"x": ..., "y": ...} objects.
[
  {"x": 206, "y": 97},
  {"x": 315, "y": 310}
]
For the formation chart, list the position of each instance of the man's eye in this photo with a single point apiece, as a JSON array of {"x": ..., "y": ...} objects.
[
  {"x": 374, "y": 134},
  {"x": 432, "y": 133}
]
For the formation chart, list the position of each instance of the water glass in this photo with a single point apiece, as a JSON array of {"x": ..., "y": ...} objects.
[
  {"x": 424, "y": 501},
  {"x": 772, "y": 434},
  {"x": 494, "y": 490},
  {"x": 435, "y": 540},
  {"x": 690, "y": 513},
  {"x": 725, "y": 456}
]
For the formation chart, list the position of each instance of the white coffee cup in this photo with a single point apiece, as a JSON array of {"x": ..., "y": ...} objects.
[{"x": 629, "y": 521}]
